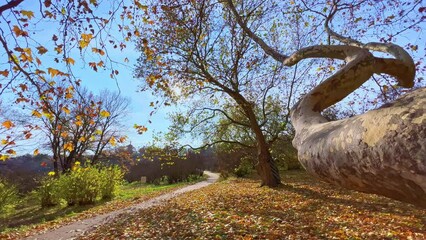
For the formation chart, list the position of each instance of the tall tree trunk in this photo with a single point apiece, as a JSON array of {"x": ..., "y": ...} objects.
[{"x": 266, "y": 166}]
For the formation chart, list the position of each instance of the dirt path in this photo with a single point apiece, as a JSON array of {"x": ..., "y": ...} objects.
[{"x": 78, "y": 228}]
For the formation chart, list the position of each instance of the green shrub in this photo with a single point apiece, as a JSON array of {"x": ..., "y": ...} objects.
[
  {"x": 48, "y": 192},
  {"x": 8, "y": 197},
  {"x": 244, "y": 169},
  {"x": 111, "y": 178},
  {"x": 85, "y": 185},
  {"x": 80, "y": 186},
  {"x": 193, "y": 177}
]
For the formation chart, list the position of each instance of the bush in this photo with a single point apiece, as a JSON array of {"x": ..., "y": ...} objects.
[
  {"x": 8, "y": 197},
  {"x": 84, "y": 185},
  {"x": 111, "y": 178},
  {"x": 48, "y": 192},
  {"x": 244, "y": 169},
  {"x": 81, "y": 186}
]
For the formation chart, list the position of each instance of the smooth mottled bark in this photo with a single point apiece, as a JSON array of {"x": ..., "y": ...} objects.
[{"x": 382, "y": 151}]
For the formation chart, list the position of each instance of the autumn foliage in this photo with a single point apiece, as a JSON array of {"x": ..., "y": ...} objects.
[{"x": 301, "y": 208}]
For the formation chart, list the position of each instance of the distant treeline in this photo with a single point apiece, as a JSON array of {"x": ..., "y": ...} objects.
[{"x": 156, "y": 164}]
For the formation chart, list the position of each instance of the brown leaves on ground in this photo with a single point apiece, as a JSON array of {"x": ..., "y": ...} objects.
[
  {"x": 91, "y": 211},
  {"x": 303, "y": 208}
]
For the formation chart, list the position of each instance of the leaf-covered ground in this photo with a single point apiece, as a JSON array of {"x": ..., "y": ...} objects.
[
  {"x": 303, "y": 208},
  {"x": 32, "y": 219}
]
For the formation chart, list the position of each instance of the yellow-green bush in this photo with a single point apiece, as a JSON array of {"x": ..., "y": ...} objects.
[
  {"x": 82, "y": 185},
  {"x": 48, "y": 192},
  {"x": 8, "y": 197},
  {"x": 111, "y": 177}
]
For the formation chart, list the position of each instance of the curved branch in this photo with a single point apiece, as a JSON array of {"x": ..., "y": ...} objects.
[
  {"x": 268, "y": 50},
  {"x": 403, "y": 76}
]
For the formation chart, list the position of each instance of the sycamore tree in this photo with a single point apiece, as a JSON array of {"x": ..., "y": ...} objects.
[
  {"x": 195, "y": 54},
  {"x": 381, "y": 151}
]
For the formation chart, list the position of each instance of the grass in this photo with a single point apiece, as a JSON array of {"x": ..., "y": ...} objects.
[
  {"x": 30, "y": 217},
  {"x": 302, "y": 208}
]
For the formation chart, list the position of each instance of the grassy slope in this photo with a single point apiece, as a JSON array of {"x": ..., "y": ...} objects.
[
  {"x": 303, "y": 208},
  {"x": 30, "y": 217}
]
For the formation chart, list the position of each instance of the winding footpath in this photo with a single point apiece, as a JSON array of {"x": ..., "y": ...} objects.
[{"x": 79, "y": 228}]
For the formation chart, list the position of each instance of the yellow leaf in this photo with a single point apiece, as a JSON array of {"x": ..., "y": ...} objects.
[
  {"x": 66, "y": 110},
  {"x": 105, "y": 113},
  {"x": 51, "y": 174},
  {"x": 70, "y": 61},
  {"x": 3, "y": 157},
  {"x": 8, "y": 124},
  {"x": 112, "y": 141},
  {"x": 85, "y": 40},
  {"x": 36, "y": 113},
  {"x": 4, "y": 141},
  {"x": 79, "y": 123},
  {"x": 36, "y": 152},
  {"x": 98, "y": 132},
  {"x": 68, "y": 147},
  {"x": 82, "y": 139}
]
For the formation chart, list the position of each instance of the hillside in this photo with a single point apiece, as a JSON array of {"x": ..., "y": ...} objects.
[{"x": 302, "y": 208}]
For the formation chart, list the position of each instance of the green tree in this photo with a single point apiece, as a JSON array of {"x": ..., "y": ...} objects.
[{"x": 195, "y": 54}]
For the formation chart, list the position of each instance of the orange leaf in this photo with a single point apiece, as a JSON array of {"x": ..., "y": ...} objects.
[
  {"x": 18, "y": 32},
  {"x": 5, "y": 73},
  {"x": 53, "y": 72},
  {"x": 36, "y": 152},
  {"x": 68, "y": 147},
  {"x": 41, "y": 50},
  {"x": 8, "y": 124},
  {"x": 97, "y": 50},
  {"x": 28, "y": 135},
  {"x": 11, "y": 151},
  {"x": 68, "y": 95},
  {"x": 66, "y": 110}
]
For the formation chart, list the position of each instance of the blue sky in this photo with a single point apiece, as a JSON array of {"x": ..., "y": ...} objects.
[{"x": 124, "y": 83}]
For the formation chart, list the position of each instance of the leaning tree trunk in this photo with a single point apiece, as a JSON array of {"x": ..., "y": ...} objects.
[
  {"x": 382, "y": 151},
  {"x": 266, "y": 166}
]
